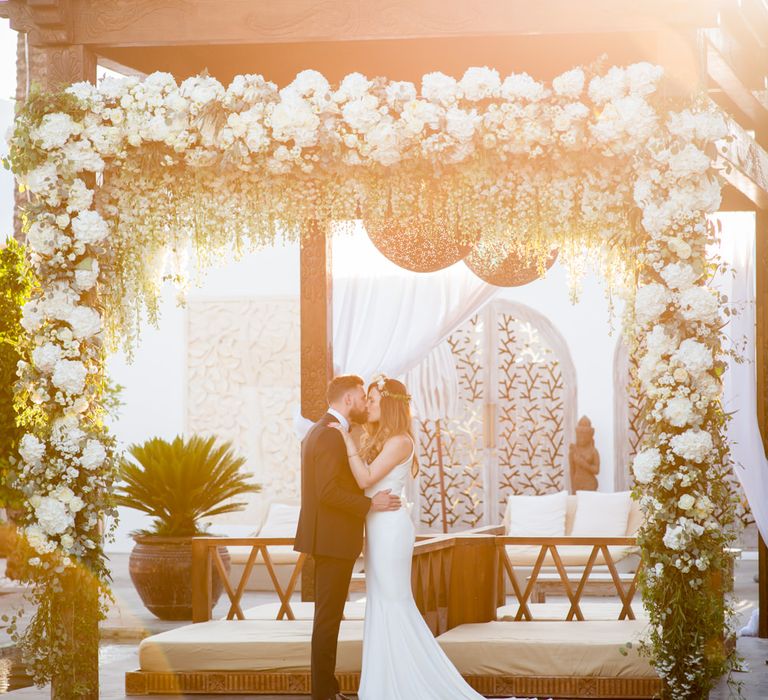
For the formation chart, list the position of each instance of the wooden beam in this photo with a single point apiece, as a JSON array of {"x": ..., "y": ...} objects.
[
  {"x": 177, "y": 22},
  {"x": 744, "y": 163}
]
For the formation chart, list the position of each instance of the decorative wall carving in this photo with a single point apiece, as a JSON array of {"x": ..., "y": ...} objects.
[
  {"x": 518, "y": 393},
  {"x": 629, "y": 428},
  {"x": 243, "y": 385}
]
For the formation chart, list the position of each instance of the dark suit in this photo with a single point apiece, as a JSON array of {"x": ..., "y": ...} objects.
[{"x": 333, "y": 510}]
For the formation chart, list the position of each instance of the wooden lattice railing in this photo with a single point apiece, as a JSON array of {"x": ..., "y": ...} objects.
[{"x": 549, "y": 545}]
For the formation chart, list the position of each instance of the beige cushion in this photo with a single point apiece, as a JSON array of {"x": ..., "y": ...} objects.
[
  {"x": 282, "y": 520},
  {"x": 302, "y": 611},
  {"x": 589, "y": 648},
  {"x": 278, "y": 554},
  {"x": 246, "y": 645},
  {"x": 571, "y": 555},
  {"x": 536, "y": 516},
  {"x": 559, "y": 611},
  {"x": 600, "y": 514}
]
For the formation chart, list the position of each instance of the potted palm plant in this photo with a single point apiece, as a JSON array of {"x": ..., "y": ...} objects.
[{"x": 178, "y": 484}]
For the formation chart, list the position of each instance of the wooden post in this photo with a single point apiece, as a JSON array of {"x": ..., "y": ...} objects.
[
  {"x": 761, "y": 359},
  {"x": 202, "y": 581},
  {"x": 316, "y": 289},
  {"x": 474, "y": 580}
]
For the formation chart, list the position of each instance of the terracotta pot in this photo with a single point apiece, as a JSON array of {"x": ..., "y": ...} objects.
[{"x": 161, "y": 571}]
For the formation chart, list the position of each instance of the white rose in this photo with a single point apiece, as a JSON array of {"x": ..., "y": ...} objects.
[
  {"x": 570, "y": 83},
  {"x": 686, "y": 501},
  {"x": 69, "y": 376},
  {"x": 680, "y": 248},
  {"x": 31, "y": 449},
  {"x": 45, "y": 357},
  {"x": 89, "y": 227},
  {"x": 674, "y": 537},
  {"x": 93, "y": 455},
  {"x": 480, "y": 83},
  {"x": 645, "y": 464},
  {"x": 679, "y": 275}
]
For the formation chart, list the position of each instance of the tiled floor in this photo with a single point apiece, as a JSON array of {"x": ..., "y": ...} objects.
[{"x": 129, "y": 620}]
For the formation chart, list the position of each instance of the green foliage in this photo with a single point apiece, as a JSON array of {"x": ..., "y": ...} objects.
[
  {"x": 16, "y": 283},
  {"x": 178, "y": 483}
]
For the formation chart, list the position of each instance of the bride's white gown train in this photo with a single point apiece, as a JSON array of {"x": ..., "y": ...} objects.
[{"x": 401, "y": 658}]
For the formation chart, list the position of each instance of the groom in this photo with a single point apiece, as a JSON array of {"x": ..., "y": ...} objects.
[{"x": 333, "y": 510}]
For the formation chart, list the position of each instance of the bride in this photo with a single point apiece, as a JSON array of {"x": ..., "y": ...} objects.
[{"x": 401, "y": 658}]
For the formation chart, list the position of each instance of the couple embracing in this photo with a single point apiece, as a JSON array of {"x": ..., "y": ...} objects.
[{"x": 346, "y": 486}]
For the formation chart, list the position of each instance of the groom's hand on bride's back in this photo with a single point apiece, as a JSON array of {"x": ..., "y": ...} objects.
[{"x": 384, "y": 500}]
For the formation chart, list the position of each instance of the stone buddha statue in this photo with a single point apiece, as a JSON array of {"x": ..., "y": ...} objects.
[{"x": 584, "y": 458}]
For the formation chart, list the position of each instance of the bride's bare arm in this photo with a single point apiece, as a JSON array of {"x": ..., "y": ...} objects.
[{"x": 395, "y": 451}]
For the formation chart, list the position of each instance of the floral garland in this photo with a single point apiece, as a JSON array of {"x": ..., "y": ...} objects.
[{"x": 128, "y": 177}]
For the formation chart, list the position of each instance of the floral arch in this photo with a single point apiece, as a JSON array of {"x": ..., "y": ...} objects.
[{"x": 601, "y": 166}]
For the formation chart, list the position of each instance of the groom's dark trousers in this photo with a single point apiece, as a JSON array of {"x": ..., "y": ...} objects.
[{"x": 331, "y": 521}]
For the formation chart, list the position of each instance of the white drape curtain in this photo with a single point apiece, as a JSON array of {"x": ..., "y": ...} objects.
[
  {"x": 386, "y": 319},
  {"x": 737, "y": 248}
]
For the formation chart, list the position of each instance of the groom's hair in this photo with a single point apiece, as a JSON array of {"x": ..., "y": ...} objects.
[{"x": 340, "y": 385}]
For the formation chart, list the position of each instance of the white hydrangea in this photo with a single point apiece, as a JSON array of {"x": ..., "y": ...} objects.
[
  {"x": 694, "y": 356},
  {"x": 201, "y": 90},
  {"x": 31, "y": 449},
  {"x": 89, "y": 227},
  {"x": 679, "y": 275},
  {"x": 645, "y": 464},
  {"x": 308, "y": 83},
  {"x": 704, "y": 126},
  {"x": 480, "y": 83},
  {"x": 38, "y": 540},
  {"x": 609, "y": 87},
  {"x": 53, "y": 516},
  {"x": 522, "y": 86},
  {"x": 677, "y": 537},
  {"x": 55, "y": 129},
  {"x": 59, "y": 301},
  {"x": 384, "y": 142},
  {"x": 680, "y": 248},
  {"x": 86, "y": 274},
  {"x": 440, "y": 88},
  {"x": 362, "y": 114},
  {"x": 93, "y": 455},
  {"x": 679, "y": 411},
  {"x": 690, "y": 160},
  {"x": 43, "y": 238},
  {"x": 643, "y": 78},
  {"x": 42, "y": 179},
  {"x": 659, "y": 342},
  {"x": 650, "y": 302},
  {"x": 417, "y": 114},
  {"x": 81, "y": 156},
  {"x": 460, "y": 124},
  {"x": 708, "y": 386},
  {"x": 399, "y": 92},
  {"x": 570, "y": 83},
  {"x": 84, "y": 321},
  {"x": 32, "y": 316},
  {"x": 699, "y": 304},
  {"x": 69, "y": 376},
  {"x": 294, "y": 119},
  {"x": 693, "y": 445},
  {"x": 352, "y": 87},
  {"x": 45, "y": 356}
]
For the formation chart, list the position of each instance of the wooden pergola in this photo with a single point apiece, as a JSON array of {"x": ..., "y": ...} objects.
[{"x": 717, "y": 46}]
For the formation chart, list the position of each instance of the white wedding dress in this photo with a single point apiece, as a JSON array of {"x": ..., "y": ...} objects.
[{"x": 401, "y": 658}]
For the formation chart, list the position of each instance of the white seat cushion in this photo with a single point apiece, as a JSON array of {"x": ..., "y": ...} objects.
[
  {"x": 601, "y": 514},
  {"x": 282, "y": 520},
  {"x": 571, "y": 555},
  {"x": 279, "y": 554},
  {"x": 536, "y": 516}
]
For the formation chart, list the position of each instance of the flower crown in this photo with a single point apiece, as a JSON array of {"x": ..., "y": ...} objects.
[{"x": 381, "y": 380}]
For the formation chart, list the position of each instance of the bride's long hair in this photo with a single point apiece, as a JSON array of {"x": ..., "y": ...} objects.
[{"x": 395, "y": 419}]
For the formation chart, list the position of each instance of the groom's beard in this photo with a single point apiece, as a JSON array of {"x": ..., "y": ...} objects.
[{"x": 359, "y": 417}]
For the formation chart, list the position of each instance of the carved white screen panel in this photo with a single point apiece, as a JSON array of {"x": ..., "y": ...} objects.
[{"x": 243, "y": 380}]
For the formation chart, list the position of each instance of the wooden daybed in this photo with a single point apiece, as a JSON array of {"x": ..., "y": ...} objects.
[{"x": 527, "y": 649}]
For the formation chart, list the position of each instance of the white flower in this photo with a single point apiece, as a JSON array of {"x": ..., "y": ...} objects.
[
  {"x": 694, "y": 356},
  {"x": 84, "y": 321},
  {"x": 643, "y": 78},
  {"x": 460, "y": 124},
  {"x": 93, "y": 455},
  {"x": 440, "y": 88},
  {"x": 650, "y": 302},
  {"x": 53, "y": 516},
  {"x": 55, "y": 129},
  {"x": 31, "y": 316},
  {"x": 38, "y": 540},
  {"x": 89, "y": 227},
  {"x": 69, "y": 376},
  {"x": 686, "y": 501},
  {"x": 570, "y": 83},
  {"x": 680, "y": 248},
  {"x": 31, "y": 449},
  {"x": 659, "y": 342},
  {"x": 83, "y": 91},
  {"x": 693, "y": 445},
  {"x": 705, "y": 126},
  {"x": 201, "y": 90},
  {"x": 383, "y": 140},
  {"x": 76, "y": 504},
  {"x": 679, "y": 275},
  {"x": 45, "y": 357},
  {"x": 352, "y": 87},
  {"x": 699, "y": 304},
  {"x": 82, "y": 156},
  {"x": 674, "y": 537},
  {"x": 679, "y": 411},
  {"x": 293, "y": 118},
  {"x": 308, "y": 83},
  {"x": 688, "y": 161},
  {"x": 708, "y": 386},
  {"x": 79, "y": 197},
  {"x": 417, "y": 114},
  {"x": 44, "y": 238},
  {"x": 42, "y": 179},
  {"x": 63, "y": 494},
  {"x": 609, "y": 87},
  {"x": 522, "y": 86},
  {"x": 362, "y": 114},
  {"x": 399, "y": 92},
  {"x": 67, "y": 542},
  {"x": 86, "y": 274},
  {"x": 645, "y": 464},
  {"x": 480, "y": 83}
]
